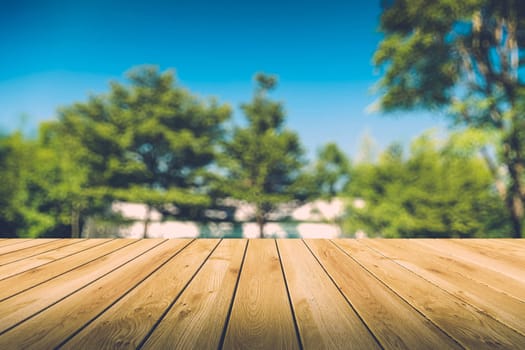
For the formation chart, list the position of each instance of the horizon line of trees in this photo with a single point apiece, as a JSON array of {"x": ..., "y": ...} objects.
[{"x": 153, "y": 142}]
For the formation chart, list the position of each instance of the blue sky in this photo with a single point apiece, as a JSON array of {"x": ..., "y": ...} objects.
[{"x": 56, "y": 52}]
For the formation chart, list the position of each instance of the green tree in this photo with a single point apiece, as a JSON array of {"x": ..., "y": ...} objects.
[
  {"x": 24, "y": 189},
  {"x": 60, "y": 185},
  {"x": 150, "y": 142},
  {"x": 465, "y": 58},
  {"x": 332, "y": 171},
  {"x": 14, "y": 168},
  {"x": 263, "y": 161},
  {"x": 330, "y": 177},
  {"x": 439, "y": 191}
]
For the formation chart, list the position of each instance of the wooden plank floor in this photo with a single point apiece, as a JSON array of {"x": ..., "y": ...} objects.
[{"x": 262, "y": 294}]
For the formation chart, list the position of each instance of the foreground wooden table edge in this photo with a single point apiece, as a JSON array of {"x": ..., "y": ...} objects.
[{"x": 271, "y": 293}]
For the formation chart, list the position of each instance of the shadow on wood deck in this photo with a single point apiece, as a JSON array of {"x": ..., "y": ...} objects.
[{"x": 267, "y": 294}]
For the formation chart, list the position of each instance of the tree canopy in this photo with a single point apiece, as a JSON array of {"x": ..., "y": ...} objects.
[
  {"x": 331, "y": 171},
  {"x": 438, "y": 191},
  {"x": 149, "y": 142},
  {"x": 18, "y": 215},
  {"x": 464, "y": 58},
  {"x": 263, "y": 160}
]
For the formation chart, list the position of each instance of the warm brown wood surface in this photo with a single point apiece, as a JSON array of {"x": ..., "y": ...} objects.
[
  {"x": 262, "y": 294},
  {"x": 261, "y": 316}
]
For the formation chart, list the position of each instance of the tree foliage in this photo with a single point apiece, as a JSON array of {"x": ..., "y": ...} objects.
[
  {"x": 36, "y": 195},
  {"x": 17, "y": 215},
  {"x": 439, "y": 191},
  {"x": 332, "y": 171},
  {"x": 149, "y": 142},
  {"x": 263, "y": 160},
  {"x": 466, "y": 58}
]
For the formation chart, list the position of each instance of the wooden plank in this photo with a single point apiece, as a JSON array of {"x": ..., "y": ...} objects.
[
  {"x": 51, "y": 327},
  {"x": 129, "y": 321},
  {"x": 197, "y": 319},
  {"x": 17, "y": 267},
  {"x": 513, "y": 270},
  {"x": 28, "y": 279},
  {"x": 24, "y": 254},
  {"x": 324, "y": 318},
  {"x": 391, "y": 319},
  {"x": 495, "y": 280},
  {"x": 495, "y": 249},
  {"x": 30, "y": 243},
  {"x": 518, "y": 242},
  {"x": 261, "y": 315},
  {"x": 22, "y": 306},
  {"x": 469, "y": 326},
  {"x": 502, "y": 307},
  {"x": 11, "y": 241}
]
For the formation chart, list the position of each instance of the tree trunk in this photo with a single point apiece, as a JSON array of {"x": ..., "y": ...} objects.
[
  {"x": 147, "y": 220},
  {"x": 512, "y": 194},
  {"x": 515, "y": 200},
  {"x": 259, "y": 217},
  {"x": 515, "y": 205},
  {"x": 493, "y": 168},
  {"x": 515, "y": 194},
  {"x": 75, "y": 223}
]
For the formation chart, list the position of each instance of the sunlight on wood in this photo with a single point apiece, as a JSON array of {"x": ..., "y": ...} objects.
[{"x": 261, "y": 294}]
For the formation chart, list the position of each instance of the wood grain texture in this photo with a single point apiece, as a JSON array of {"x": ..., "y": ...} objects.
[
  {"x": 261, "y": 316},
  {"x": 51, "y": 327},
  {"x": 249, "y": 294},
  {"x": 324, "y": 317},
  {"x": 42, "y": 248},
  {"x": 469, "y": 326},
  {"x": 126, "y": 323},
  {"x": 26, "y": 304},
  {"x": 496, "y": 249},
  {"x": 12, "y": 241},
  {"x": 14, "y": 285},
  {"x": 393, "y": 321},
  {"x": 473, "y": 255},
  {"x": 20, "y": 266},
  {"x": 25, "y": 244},
  {"x": 506, "y": 309},
  {"x": 469, "y": 270},
  {"x": 513, "y": 242},
  {"x": 197, "y": 318}
]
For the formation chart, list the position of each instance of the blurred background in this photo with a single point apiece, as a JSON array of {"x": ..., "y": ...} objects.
[{"x": 262, "y": 119}]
